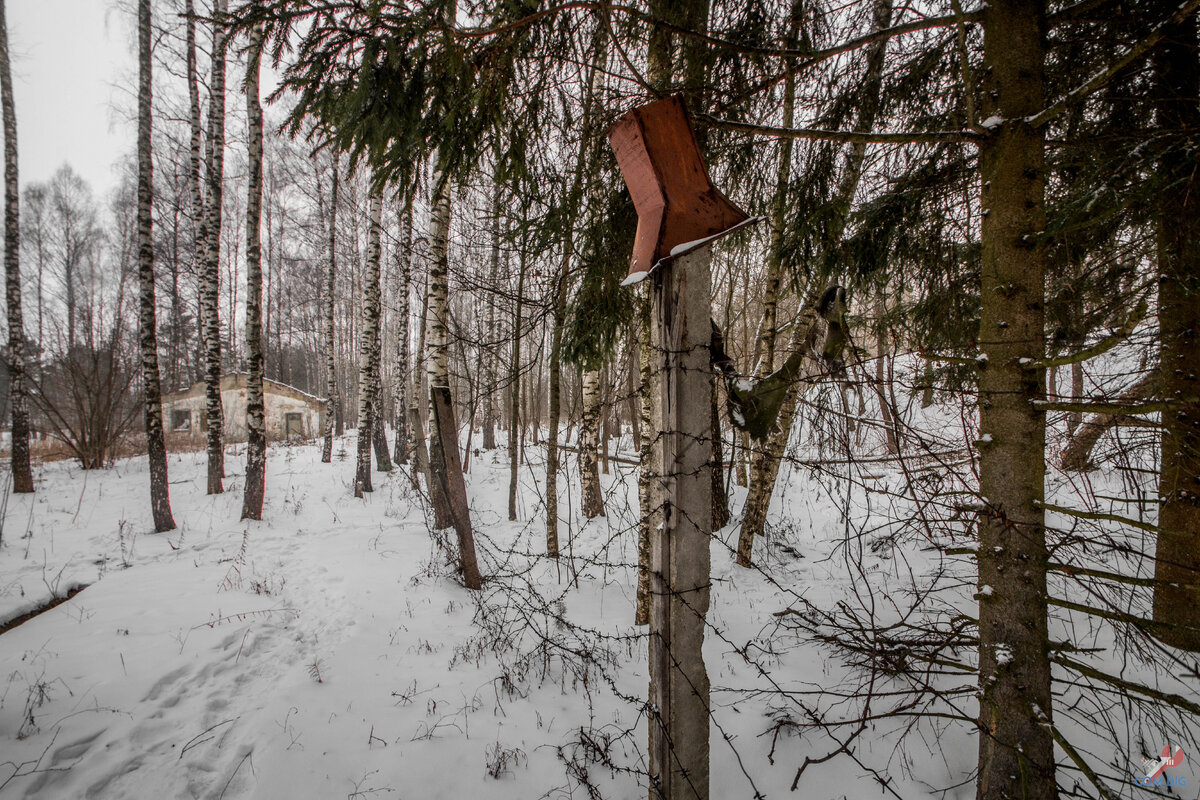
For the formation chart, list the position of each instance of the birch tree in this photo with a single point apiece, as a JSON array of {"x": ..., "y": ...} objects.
[
  {"x": 514, "y": 397},
  {"x": 21, "y": 471},
  {"x": 328, "y": 307},
  {"x": 256, "y": 424},
  {"x": 160, "y": 501},
  {"x": 210, "y": 234},
  {"x": 368, "y": 372},
  {"x": 445, "y": 469},
  {"x": 404, "y": 280},
  {"x": 767, "y": 457},
  {"x": 589, "y": 435}
]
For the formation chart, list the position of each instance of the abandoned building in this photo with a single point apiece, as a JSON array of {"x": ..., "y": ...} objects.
[{"x": 291, "y": 415}]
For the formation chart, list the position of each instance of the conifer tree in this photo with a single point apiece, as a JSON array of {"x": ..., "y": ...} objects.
[{"x": 1177, "y": 115}]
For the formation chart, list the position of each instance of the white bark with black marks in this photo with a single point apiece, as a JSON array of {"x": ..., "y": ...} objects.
[
  {"x": 160, "y": 502},
  {"x": 22, "y": 474},
  {"x": 256, "y": 424},
  {"x": 210, "y": 275},
  {"x": 328, "y": 308},
  {"x": 368, "y": 370},
  {"x": 403, "y": 314}
]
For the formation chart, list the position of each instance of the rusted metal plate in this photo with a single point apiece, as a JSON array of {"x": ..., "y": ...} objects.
[{"x": 676, "y": 202}]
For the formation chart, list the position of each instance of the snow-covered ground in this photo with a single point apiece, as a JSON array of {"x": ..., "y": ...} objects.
[{"x": 329, "y": 651}]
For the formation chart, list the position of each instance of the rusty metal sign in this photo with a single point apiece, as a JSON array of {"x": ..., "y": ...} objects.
[{"x": 678, "y": 208}]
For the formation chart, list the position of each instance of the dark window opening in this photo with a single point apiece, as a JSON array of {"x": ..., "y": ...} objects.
[{"x": 293, "y": 425}]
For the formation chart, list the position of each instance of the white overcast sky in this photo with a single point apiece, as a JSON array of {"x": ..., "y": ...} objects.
[{"x": 72, "y": 63}]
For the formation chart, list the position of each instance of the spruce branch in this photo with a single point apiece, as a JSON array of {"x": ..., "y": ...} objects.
[
  {"x": 1099, "y": 348},
  {"x": 1103, "y": 76},
  {"x": 864, "y": 137}
]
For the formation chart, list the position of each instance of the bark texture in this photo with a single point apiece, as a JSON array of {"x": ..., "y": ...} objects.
[
  {"x": 555, "y": 400},
  {"x": 21, "y": 470},
  {"x": 437, "y": 357},
  {"x": 514, "y": 387},
  {"x": 648, "y": 497},
  {"x": 403, "y": 390},
  {"x": 256, "y": 423},
  {"x": 368, "y": 369},
  {"x": 328, "y": 306},
  {"x": 488, "y": 352},
  {"x": 1177, "y": 560},
  {"x": 195, "y": 155},
  {"x": 765, "y": 458},
  {"x": 589, "y": 440},
  {"x": 1016, "y": 751},
  {"x": 445, "y": 465},
  {"x": 160, "y": 500},
  {"x": 210, "y": 277}
]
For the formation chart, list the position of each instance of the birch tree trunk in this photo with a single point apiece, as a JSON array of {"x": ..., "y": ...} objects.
[
  {"x": 403, "y": 391},
  {"x": 160, "y": 501},
  {"x": 1177, "y": 559},
  {"x": 383, "y": 459},
  {"x": 211, "y": 273},
  {"x": 436, "y": 347},
  {"x": 558, "y": 310},
  {"x": 21, "y": 470},
  {"x": 1075, "y": 418},
  {"x": 368, "y": 372},
  {"x": 555, "y": 412},
  {"x": 488, "y": 355},
  {"x": 768, "y": 326},
  {"x": 882, "y": 373},
  {"x": 445, "y": 465},
  {"x": 195, "y": 180},
  {"x": 256, "y": 424},
  {"x": 1016, "y": 751},
  {"x": 589, "y": 432},
  {"x": 765, "y": 459},
  {"x": 328, "y": 317},
  {"x": 419, "y": 406},
  {"x": 514, "y": 388}
]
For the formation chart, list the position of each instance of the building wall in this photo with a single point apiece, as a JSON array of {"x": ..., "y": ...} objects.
[{"x": 190, "y": 406}]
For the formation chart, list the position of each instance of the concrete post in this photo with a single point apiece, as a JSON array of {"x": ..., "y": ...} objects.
[{"x": 680, "y": 557}]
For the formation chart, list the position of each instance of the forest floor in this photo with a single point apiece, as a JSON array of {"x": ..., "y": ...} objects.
[{"x": 330, "y": 650}]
